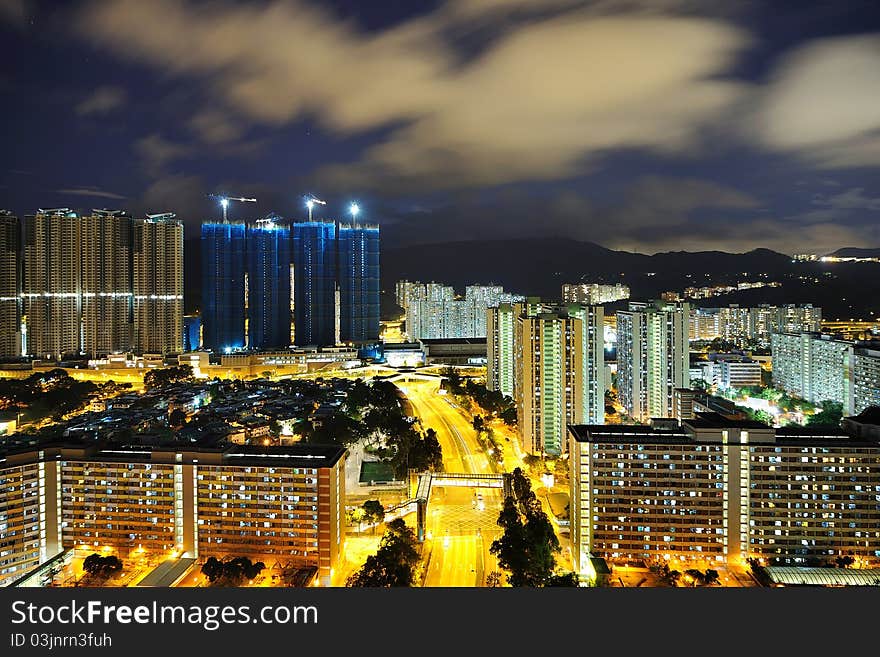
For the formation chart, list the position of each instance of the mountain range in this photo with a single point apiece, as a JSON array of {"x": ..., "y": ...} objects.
[{"x": 539, "y": 267}]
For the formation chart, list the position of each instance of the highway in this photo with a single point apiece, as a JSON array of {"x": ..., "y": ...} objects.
[{"x": 461, "y": 521}]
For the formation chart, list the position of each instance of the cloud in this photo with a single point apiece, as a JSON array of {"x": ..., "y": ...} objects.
[
  {"x": 156, "y": 152},
  {"x": 676, "y": 204},
  {"x": 851, "y": 199},
  {"x": 14, "y": 12},
  {"x": 540, "y": 101},
  {"x": 102, "y": 100},
  {"x": 821, "y": 103},
  {"x": 89, "y": 191},
  {"x": 215, "y": 127}
]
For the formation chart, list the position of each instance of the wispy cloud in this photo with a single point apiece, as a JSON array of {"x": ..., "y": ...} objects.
[
  {"x": 851, "y": 199},
  {"x": 102, "y": 100},
  {"x": 542, "y": 98},
  {"x": 89, "y": 191},
  {"x": 156, "y": 152},
  {"x": 821, "y": 103}
]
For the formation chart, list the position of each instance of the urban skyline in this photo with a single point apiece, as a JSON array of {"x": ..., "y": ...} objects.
[{"x": 445, "y": 293}]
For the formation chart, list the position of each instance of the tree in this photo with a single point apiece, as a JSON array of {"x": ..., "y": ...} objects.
[
  {"x": 177, "y": 418},
  {"x": 831, "y": 414},
  {"x": 564, "y": 579},
  {"x": 711, "y": 577},
  {"x": 374, "y": 512},
  {"x": 102, "y": 567},
  {"x": 231, "y": 572},
  {"x": 479, "y": 423},
  {"x": 162, "y": 377},
  {"x": 493, "y": 579},
  {"x": 527, "y": 547},
  {"x": 395, "y": 561},
  {"x": 844, "y": 562},
  {"x": 696, "y": 576}
]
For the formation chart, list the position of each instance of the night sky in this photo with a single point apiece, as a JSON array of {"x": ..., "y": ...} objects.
[{"x": 639, "y": 125}]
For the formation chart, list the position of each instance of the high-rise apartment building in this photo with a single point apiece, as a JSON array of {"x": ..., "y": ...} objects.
[
  {"x": 157, "y": 245},
  {"x": 52, "y": 284},
  {"x": 866, "y": 378},
  {"x": 652, "y": 357},
  {"x": 256, "y": 279},
  {"x": 269, "y": 265},
  {"x": 315, "y": 283},
  {"x": 719, "y": 490},
  {"x": 286, "y": 505},
  {"x": 101, "y": 284},
  {"x": 433, "y": 310},
  {"x": 559, "y": 378},
  {"x": 10, "y": 285},
  {"x": 105, "y": 250},
  {"x": 594, "y": 293},
  {"x": 358, "y": 283},
  {"x": 813, "y": 367},
  {"x": 500, "y": 347},
  {"x": 816, "y": 367},
  {"x": 743, "y": 325},
  {"x": 705, "y": 324},
  {"x": 224, "y": 251}
]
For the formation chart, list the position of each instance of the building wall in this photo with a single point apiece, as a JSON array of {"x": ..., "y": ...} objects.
[
  {"x": 866, "y": 379},
  {"x": 10, "y": 286},
  {"x": 724, "y": 494},
  {"x": 314, "y": 257},
  {"x": 19, "y": 520},
  {"x": 359, "y": 283},
  {"x": 117, "y": 504},
  {"x": 223, "y": 286},
  {"x": 812, "y": 501},
  {"x": 158, "y": 286},
  {"x": 652, "y": 357},
  {"x": 106, "y": 283},
  {"x": 815, "y": 368},
  {"x": 559, "y": 361},
  {"x": 52, "y": 284},
  {"x": 190, "y": 503},
  {"x": 499, "y": 348},
  {"x": 269, "y": 293}
]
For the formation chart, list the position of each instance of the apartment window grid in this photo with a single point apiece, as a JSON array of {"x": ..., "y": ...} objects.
[
  {"x": 258, "y": 510},
  {"x": 122, "y": 505},
  {"x": 651, "y": 500},
  {"x": 814, "y": 501}
]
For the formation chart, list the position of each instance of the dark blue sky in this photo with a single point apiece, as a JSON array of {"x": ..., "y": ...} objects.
[{"x": 636, "y": 124}]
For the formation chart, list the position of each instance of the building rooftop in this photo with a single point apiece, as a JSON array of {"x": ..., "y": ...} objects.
[
  {"x": 433, "y": 341},
  {"x": 713, "y": 420},
  {"x": 797, "y": 576}
]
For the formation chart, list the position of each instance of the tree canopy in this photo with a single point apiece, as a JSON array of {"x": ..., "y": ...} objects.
[
  {"x": 527, "y": 548},
  {"x": 394, "y": 564},
  {"x": 231, "y": 572}
]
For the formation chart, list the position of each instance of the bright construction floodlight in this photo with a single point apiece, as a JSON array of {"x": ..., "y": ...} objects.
[
  {"x": 224, "y": 202},
  {"x": 354, "y": 208}
]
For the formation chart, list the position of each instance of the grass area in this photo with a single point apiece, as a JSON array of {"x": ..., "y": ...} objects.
[{"x": 377, "y": 471}]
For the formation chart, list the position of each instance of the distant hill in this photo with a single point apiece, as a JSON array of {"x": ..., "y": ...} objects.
[
  {"x": 855, "y": 252},
  {"x": 539, "y": 267}
]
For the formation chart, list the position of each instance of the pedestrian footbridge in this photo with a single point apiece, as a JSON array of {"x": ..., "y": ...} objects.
[{"x": 424, "y": 482}]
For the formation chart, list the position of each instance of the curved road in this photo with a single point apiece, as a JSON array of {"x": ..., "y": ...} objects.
[{"x": 460, "y": 525}]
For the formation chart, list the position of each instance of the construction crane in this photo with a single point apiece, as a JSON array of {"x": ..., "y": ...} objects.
[
  {"x": 224, "y": 201},
  {"x": 311, "y": 200}
]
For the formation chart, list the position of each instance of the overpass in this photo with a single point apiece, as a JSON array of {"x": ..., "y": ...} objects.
[{"x": 425, "y": 481}]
